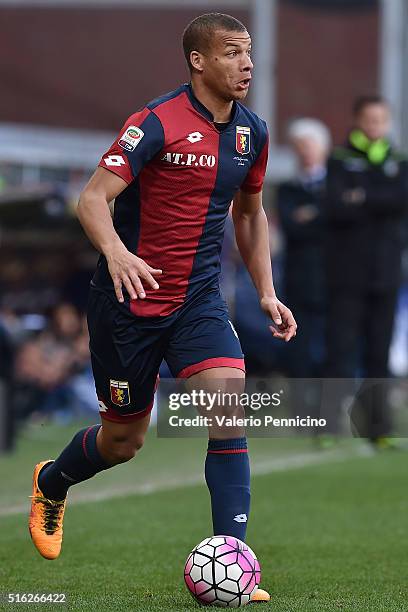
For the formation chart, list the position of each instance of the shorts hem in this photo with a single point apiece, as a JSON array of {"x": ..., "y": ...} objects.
[
  {"x": 111, "y": 415},
  {"x": 214, "y": 362}
]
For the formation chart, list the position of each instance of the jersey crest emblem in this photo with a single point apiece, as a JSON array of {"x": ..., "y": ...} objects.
[
  {"x": 119, "y": 391},
  {"x": 243, "y": 140}
]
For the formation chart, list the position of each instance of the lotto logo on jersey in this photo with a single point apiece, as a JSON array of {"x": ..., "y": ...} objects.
[
  {"x": 190, "y": 159},
  {"x": 119, "y": 391},
  {"x": 114, "y": 160},
  {"x": 131, "y": 138},
  {"x": 243, "y": 139}
]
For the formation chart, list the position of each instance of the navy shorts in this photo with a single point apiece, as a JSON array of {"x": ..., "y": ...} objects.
[{"x": 127, "y": 351}]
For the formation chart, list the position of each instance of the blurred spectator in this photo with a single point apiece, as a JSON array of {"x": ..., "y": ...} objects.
[
  {"x": 6, "y": 353},
  {"x": 367, "y": 189},
  {"x": 6, "y": 412},
  {"x": 50, "y": 365},
  {"x": 301, "y": 210},
  {"x": 65, "y": 323},
  {"x": 81, "y": 385}
]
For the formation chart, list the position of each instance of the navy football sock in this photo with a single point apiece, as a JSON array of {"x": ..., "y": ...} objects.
[
  {"x": 227, "y": 475},
  {"x": 79, "y": 461}
]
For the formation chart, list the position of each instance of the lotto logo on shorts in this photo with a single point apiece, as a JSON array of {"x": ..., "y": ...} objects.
[{"x": 120, "y": 394}]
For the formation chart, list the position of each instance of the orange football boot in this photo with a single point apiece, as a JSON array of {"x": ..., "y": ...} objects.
[
  {"x": 260, "y": 596},
  {"x": 46, "y": 518}
]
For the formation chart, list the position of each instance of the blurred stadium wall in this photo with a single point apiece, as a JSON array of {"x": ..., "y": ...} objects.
[{"x": 88, "y": 64}]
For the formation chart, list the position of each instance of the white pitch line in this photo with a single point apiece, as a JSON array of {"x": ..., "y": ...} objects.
[{"x": 261, "y": 467}]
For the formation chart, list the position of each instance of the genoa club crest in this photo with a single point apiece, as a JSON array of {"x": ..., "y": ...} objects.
[
  {"x": 243, "y": 140},
  {"x": 119, "y": 391}
]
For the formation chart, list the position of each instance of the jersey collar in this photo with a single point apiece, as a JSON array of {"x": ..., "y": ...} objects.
[{"x": 203, "y": 110}]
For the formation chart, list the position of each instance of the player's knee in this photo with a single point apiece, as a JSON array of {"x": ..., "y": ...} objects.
[
  {"x": 138, "y": 443},
  {"x": 121, "y": 453},
  {"x": 223, "y": 429},
  {"x": 235, "y": 411},
  {"x": 125, "y": 450}
]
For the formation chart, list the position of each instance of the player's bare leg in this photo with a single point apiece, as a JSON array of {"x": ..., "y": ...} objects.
[
  {"x": 91, "y": 450},
  {"x": 119, "y": 442}
]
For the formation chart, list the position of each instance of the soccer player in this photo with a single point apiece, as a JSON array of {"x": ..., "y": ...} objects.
[{"x": 173, "y": 171}]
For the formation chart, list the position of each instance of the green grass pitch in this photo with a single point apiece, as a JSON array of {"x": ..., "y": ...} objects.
[{"x": 331, "y": 535}]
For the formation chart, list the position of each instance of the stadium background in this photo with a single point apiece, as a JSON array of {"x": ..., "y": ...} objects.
[{"x": 70, "y": 73}]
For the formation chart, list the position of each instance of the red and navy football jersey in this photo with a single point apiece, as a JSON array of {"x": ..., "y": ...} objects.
[{"x": 182, "y": 173}]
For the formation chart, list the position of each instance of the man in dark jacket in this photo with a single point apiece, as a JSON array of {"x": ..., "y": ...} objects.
[
  {"x": 300, "y": 203},
  {"x": 367, "y": 197}
]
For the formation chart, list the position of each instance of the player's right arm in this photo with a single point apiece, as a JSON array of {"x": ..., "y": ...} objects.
[
  {"x": 94, "y": 215},
  {"x": 139, "y": 140}
]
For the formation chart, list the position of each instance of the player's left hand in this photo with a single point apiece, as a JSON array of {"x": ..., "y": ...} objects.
[{"x": 284, "y": 325}]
